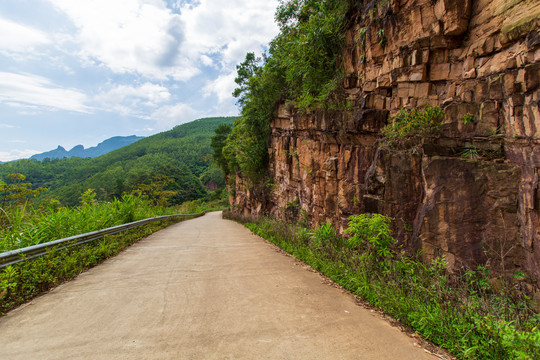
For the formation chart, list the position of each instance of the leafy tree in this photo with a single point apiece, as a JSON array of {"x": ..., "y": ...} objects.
[
  {"x": 245, "y": 72},
  {"x": 308, "y": 48},
  {"x": 155, "y": 190},
  {"x": 218, "y": 142},
  {"x": 88, "y": 198},
  {"x": 213, "y": 174},
  {"x": 15, "y": 191}
]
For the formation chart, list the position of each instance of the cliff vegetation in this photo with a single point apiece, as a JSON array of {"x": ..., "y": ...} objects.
[{"x": 302, "y": 68}]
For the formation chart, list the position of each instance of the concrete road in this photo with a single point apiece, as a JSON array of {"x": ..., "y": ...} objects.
[{"x": 201, "y": 289}]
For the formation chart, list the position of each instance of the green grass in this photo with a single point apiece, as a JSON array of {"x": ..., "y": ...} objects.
[
  {"x": 462, "y": 313},
  {"x": 25, "y": 225},
  {"x": 23, "y": 281}
]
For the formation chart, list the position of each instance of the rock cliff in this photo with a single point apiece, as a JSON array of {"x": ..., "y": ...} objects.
[{"x": 470, "y": 193}]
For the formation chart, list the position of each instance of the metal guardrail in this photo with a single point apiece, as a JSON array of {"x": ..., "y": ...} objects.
[{"x": 14, "y": 256}]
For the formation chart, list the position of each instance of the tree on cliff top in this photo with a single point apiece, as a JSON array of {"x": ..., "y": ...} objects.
[
  {"x": 308, "y": 47},
  {"x": 302, "y": 68}
]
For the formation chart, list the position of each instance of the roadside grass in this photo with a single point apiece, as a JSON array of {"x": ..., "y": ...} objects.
[
  {"x": 25, "y": 280},
  {"x": 25, "y": 225},
  {"x": 463, "y": 313},
  {"x": 197, "y": 206}
]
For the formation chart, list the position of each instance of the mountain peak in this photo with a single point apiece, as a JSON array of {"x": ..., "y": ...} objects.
[
  {"x": 102, "y": 148},
  {"x": 77, "y": 148}
]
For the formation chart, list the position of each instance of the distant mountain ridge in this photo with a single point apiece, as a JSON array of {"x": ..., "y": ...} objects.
[
  {"x": 102, "y": 148},
  {"x": 182, "y": 154}
]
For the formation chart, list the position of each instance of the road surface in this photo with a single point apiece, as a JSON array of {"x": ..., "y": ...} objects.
[{"x": 201, "y": 289}]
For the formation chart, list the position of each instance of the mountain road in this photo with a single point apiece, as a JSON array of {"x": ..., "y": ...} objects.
[{"x": 206, "y": 288}]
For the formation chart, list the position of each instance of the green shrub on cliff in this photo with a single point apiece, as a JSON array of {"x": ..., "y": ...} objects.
[
  {"x": 259, "y": 92},
  {"x": 411, "y": 122}
]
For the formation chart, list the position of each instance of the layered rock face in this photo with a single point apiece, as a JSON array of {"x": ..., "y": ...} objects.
[{"x": 471, "y": 193}]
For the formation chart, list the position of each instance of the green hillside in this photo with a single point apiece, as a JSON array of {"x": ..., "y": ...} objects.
[{"x": 182, "y": 154}]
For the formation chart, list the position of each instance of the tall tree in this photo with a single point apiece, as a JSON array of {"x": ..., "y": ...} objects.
[{"x": 218, "y": 142}]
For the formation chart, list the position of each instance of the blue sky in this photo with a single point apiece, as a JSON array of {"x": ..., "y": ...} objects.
[{"x": 78, "y": 71}]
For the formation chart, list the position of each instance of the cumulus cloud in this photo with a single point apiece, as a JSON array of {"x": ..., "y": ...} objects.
[
  {"x": 27, "y": 90},
  {"x": 222, "y": 87},
  {"x": 131, "y": 57},
  {"x": 130, "y": 36},
  {"x": 129, "y": 100},
  {"x": 20, "y": 38},
  {"x": 228, "y": 31},
  {"x": 166, "y": 117},
  {"x": 226, "y": 34},
  {"x": 148, "y": 38},
  {"x": 207, "y": 60}
]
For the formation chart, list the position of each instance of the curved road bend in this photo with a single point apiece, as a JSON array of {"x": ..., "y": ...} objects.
[{"x": 202, "y": 289}]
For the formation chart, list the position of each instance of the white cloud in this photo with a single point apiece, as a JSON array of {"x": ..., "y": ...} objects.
[
  {"x": 16, "y": 154},
  {"x": 144, "y": 130},
  {"x": 131, "y": 57},
  {"x": 222, "y": 87},
  {"x": 21, "y": 106},
  {"x": 228, "y": 31},
  {"x": 20, "y": 38},
  {"x": 29, "y": 90},
  {"x": 130, "y": 36},
  {"x": 167, "y": 117},
  {"x": 6, "y": 126},
  {"x": 147, "y": 38},
  {"x": 207, "y": 60},
  {"x": 129, "y": 100}
]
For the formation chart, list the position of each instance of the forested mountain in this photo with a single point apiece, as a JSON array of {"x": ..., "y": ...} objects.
[
  {"x": 102, "y": 148},
  {"x": 181, "y": 154}
]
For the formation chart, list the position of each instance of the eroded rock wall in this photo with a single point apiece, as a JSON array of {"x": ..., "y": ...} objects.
[{"x": 471, "y": 193}]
